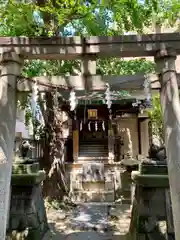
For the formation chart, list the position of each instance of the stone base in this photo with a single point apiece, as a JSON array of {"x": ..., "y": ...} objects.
[
  {"x": 116, "y": 180},
  {"x": 27, "y": 212},
  {"x": 93, "y": 196}
]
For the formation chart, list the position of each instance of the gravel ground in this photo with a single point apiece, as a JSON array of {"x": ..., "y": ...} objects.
[{"x": 89, "y": 222}]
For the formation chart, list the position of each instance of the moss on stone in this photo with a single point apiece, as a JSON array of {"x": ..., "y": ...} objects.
[
  {"x": 160, "y": 181},
  {"x": 22, "y": 168},
  {"x": 153, "y": 169},
  {"x": 27, "y": 179}
]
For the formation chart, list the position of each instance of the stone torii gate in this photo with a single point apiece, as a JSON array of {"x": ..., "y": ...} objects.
[{"x": 164, "y": 47}]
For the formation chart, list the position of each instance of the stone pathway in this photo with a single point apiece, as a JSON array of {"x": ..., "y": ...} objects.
[{"x": 90, "y": 221}]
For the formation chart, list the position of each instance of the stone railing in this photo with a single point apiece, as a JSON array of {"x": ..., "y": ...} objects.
[
  {"x": 27, "y": 216},
  {"x": 151, "y": 204}
]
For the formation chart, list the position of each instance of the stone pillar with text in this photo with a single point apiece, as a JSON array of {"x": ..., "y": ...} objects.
[{"x": 10, "y": 69}]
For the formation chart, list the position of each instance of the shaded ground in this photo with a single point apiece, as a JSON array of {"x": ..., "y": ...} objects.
[{"x": 89, "y": 221}]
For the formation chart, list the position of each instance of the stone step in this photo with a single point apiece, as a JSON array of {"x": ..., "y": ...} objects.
[
  {"x": 97, "y": 159},
  {"x": 92, "y": 150},
  {"x": 93, "y": 185},
  {"x": 93, "y": 155},
  {"x": 125, "y": 193},
  {"x": 93, "y": 196},
  {"x": 113, "y": 204},
  {"x": 91, "y": 147}
]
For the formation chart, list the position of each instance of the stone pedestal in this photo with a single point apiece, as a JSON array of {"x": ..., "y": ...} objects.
[
  {"x": 151, "y": 205},
  {"x": 27, "y": 212}
]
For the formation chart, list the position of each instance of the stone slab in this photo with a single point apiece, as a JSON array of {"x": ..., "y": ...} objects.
[
  {"x": 91, "y": 221},
  {"x": 94, "y": 236},
  {"x": 87, "y": 235},
  {"x": 93, "y": 196},
  {"x": 89, "y": 217}
]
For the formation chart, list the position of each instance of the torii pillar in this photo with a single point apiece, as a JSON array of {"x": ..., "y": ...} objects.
[
  {"x": 10, "y": 66},
  {"x": 165, "y": 60}
]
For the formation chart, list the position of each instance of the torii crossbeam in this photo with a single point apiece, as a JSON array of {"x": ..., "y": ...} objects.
[{"x": 78, "y": 47}]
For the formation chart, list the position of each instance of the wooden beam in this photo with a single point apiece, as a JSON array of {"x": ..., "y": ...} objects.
[
  {"x": 78, "y": 47},
  {"x": 96, "y": 83}
]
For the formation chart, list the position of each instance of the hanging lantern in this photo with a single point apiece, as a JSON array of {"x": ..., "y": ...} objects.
[
  {"x": 34, "y": 97},
  {"x": 108, "y": 96},
  {"x": 147, "y": 92},
  {"x": 73, "y": 100}
]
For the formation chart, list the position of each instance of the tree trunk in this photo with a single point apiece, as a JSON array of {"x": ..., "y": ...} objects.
[
  {"x": 171, "y": 114},
  {"x": 54, "y": 187}
]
